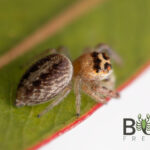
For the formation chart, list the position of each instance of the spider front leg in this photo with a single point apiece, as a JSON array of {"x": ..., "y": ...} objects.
[
  {"x": 106, "y": 48},
  {"x": 93, "y": 94},
  {"x": 107, "y": 92},
  {"x": 102, "y": 90}
]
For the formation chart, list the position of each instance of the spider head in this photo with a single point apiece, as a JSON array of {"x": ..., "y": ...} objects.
[
  {"x": 101, "y": 64},
  {"x": 93, "y": 66}
]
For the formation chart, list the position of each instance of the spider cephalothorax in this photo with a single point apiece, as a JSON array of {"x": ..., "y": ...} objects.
[
  {"x": 101, "y": 62},
  {"x": 51, "y": 77},
  {"x": 93, "y": 65},
  {"x": 93, "y": 73}
]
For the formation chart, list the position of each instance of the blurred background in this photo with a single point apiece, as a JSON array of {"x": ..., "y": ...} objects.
[{"x": 75, "y": 24}]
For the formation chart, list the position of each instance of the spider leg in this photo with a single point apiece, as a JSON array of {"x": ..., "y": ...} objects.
[
  {"x": 93, "y": 94},
  {"x": 109, "y": 82},
  {"x": 60, "y": 50},
  {"x": 106, "y": 48},
  {"x": 87, "y": 50},
  {"x": 60, "y": 97},
  {"x": 77, "y": 85},
  {"x": 106, "y": 92},
  {"x": 98, "y": 92},
  {"x": 37, "y": 57},
  {"x": 63, "y": 50}
]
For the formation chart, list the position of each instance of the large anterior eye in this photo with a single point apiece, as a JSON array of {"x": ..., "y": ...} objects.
[
  {"x": 96, "y": 62},
  {"x": 107, "y": 66}
]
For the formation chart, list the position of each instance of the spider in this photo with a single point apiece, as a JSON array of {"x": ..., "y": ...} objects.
[{"x": 52, "y": 77}]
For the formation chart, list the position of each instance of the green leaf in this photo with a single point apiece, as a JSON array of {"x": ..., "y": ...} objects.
[{"x": 122, "y": 24}]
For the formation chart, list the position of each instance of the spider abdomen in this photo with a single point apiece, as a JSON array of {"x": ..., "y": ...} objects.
[{"x": 44, "y": 80}]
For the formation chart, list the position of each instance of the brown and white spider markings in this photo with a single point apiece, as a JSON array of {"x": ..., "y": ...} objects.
[{"x": 52, "y": 77}]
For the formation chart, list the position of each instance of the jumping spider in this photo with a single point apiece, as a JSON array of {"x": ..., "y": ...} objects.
[{"x": 52, "y": 76}]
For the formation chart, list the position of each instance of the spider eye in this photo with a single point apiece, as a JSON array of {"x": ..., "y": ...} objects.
[
  {"x": 101, "y": 62},
  {"x": 96, "y": 62},
  {"x": 107, "y": 66},
  {"x": 105, "y": 56}
]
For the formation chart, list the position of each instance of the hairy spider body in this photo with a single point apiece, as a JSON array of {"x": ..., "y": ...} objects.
[
  {"x": 93, "y": 74},
  {"x": 44, "y": 80},
  {"x": 91, "y": 68},
  {"x": 52, "y": 75}
]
